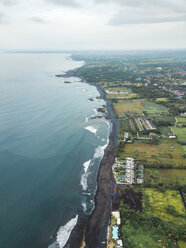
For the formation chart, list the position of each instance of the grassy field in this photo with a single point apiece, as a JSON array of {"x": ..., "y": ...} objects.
[
  {"x": 143, "y": 238},
  {"x": 184, "y": 149},
  {"x": 182, "y": 244},
  {"x": 162, "y": 99},
  {"x": 165, "y": 119},
  {"x": 165, "y": 175},
  {"x": 121, "y": 96},
  {"x": 134, "y": 106},
  {"x": 118, "y": 90},
  {"x": 164, "y": 131},
  {"x": 181, "y": 120},
  {"x": 180, "y": 133},
  {"x": 155, "y": 203},
  {"x": 165, "y": 154},
  {"x": 137, "y": 107},
  {"x": 153, "y": 108},
  {"x": 119, "y": 93}
]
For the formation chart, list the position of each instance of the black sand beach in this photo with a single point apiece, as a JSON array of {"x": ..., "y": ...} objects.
[{"x": 91, "y": 229}]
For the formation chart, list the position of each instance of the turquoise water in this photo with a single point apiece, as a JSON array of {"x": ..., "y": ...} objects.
[
  {"x": 115, "y": 232},
  {"x": 50, "y": 149}
]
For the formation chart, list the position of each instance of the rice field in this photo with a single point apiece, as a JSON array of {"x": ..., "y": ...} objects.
[
  {"x": 181, "y": 120},
  {"x": 134, "y": 106},
  {"x": 164, "y": 131},
  {"x": 137, "y": 107},
  {"x": 155, "y": 203},
  {"x": 165, "y": 175},
  {"x": 180, "y": 133},
  {"x": 121, "y": 96},
  {"x": 164, "y": 154},
  {"x": 153, "y": 108}
]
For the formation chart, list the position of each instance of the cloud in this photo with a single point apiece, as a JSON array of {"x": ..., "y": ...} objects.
[
  {"x": 37, "y": 19},
  {"x": 67, "y": 3},
  {"x": 1, "y": 18},
  {"x": 141, "y": 18},
  {"x": 8, "y": 2},
  {"x": 143, "y": 3},
  {"x": 151, "y": 11}
]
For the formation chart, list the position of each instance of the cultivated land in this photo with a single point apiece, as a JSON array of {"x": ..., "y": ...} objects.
[
  {"x": 148, "y": 93},
  {"x": 165, "y": 154},
  {"x": 163, "y": 204},
  {"x": 166, "y": 176},
  {"x": 180, "y": 133},
  {"x": 138, "y": 106}
]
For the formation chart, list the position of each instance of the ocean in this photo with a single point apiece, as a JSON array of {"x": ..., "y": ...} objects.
[{"x": 51, "y": 144}]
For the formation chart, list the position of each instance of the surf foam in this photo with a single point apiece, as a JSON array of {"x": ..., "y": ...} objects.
[
  {"x": 84, "y": 177},
  {"x": 91, "y": 129},
  {"x": 64, "y": 233},
  {"x": 99, "y": 152},
  {"x": 86, "y": 165},
  {"x": 84, "y": 205}
]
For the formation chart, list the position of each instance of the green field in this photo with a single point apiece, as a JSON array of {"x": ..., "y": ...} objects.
[
  {"x": 142, "y": 238},
  {"x": 137, "y": 107},
  {"x": 121, "y": 96},
  {"x": 184, "y": 149},
  {"x": 161, "y": 99},
  {"x": 166, "y": 154},
  {"x": 180, "y": 133},
  {"x": 118, "y": 90},
  {"x": 132, "y": 106},
  {"x": 182, "y": 244},
  {"x": 166, "y": 176},
  {"x": 119, "y": 93},
  {"x": 181, "y": 120},
  {"x": 156, "y": 203},
  {"x": 165, "y": 120},
  {"x": 159, "y": 222},
  {"x": 153, "y": 108},
  {"x": 164, "y": 131}
]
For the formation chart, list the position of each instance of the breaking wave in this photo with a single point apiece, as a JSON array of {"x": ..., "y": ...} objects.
[
  {"x": 84, "y": 177},
  {"x": 86, "y": 165},
  {"x": 99, "y": 152},
  {"x": 64, "y": 234},
  {"x": 91, "y": 129}
]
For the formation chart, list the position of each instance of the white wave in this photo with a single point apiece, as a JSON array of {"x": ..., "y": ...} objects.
[
  {"x": 86, "y": 165},
  {"x": 95, "y": 111},
  {"x": 84, "y": 205},
  {"x": 91, "y": 129},
  {"x": 99, "y": 152},
  {"x": 84, "y": 177},
  {"x": 86, "y": 120},
  {"x": 85, "y": 193},
  {"x": 84, "y": 183},
  {"x": 64, "y": 233}
]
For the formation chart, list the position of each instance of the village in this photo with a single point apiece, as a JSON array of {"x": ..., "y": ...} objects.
[{"x": 148, "y": 98}]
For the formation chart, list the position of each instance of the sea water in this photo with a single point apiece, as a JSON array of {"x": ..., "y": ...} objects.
[{"x": 51, "y": 145}]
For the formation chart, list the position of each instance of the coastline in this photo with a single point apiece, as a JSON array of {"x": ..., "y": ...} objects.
[{"x": 90, "y": 230}]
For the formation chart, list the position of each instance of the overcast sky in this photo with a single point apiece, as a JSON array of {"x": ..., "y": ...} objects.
[{"x": 92, "y": 24}]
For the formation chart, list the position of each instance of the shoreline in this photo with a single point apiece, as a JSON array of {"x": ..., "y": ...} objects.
[{"x": 91, "y": 229}]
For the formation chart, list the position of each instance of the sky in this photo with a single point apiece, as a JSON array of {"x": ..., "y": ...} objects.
[{"x": 92, "y": 24}]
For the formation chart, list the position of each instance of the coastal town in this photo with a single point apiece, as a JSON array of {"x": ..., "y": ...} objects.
[{"x": 147, "y": 94}]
